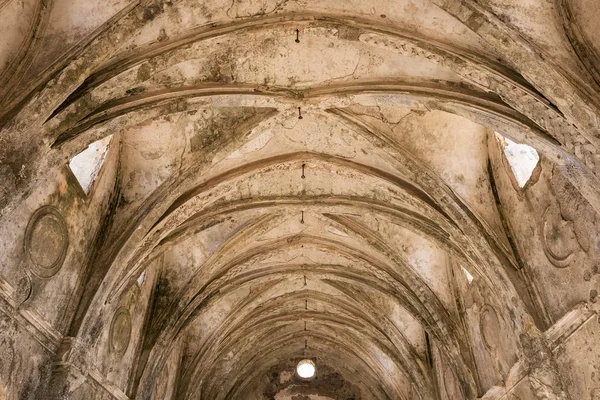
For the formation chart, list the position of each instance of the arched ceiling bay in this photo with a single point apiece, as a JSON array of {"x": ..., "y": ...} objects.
[
  {"x": 293, "y": 180},
  {"x": 250, "y": 236}
]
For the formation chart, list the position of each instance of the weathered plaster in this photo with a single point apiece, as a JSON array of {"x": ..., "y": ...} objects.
[{"x": 298, "y": 179}]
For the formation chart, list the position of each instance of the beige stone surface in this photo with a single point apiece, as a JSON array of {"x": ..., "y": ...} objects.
[{"x": 280, "y": 180}]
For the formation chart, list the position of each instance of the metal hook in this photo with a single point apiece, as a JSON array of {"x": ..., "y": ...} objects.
[
  {"x": 302, "y": 219},
  {"x": 303, "y": 176},
  {"x": 297, "y": 35},
  {"x": 299, "y": 113}
]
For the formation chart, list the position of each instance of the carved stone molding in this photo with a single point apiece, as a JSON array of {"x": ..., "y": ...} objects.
[
  {"x": 64, "y": 352},
  {"x": 104, "y": 384},
  {"x": 450, "y": 386},
  {"x": 32, "y": 322},
  {"x": 557, "y": 236},
  {"x": 581, "y": 44},
  {"x": 46, "y": 242},
  {"x": 518, "y": 97},
  {"x": 120, "y": 332},
  {"x": 23, "y": 290},
  {"x": 562, "y": 330},
  {"x": 162, "y": 385},
  {"x": 4, "y": 3}
]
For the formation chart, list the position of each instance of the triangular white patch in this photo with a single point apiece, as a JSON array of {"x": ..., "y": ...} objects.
[
  {"x": 86, "y": 165},
  {"x": 468, "y": 275},
  {"x": 522, "y": 159}
]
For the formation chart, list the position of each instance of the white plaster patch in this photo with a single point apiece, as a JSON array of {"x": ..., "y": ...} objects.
[
  {"x": 468, "y": 275},
  {"x": 141, "y": 278},
  {"x": 87, "y": 164},
  {"x": 522, "y": 159}
]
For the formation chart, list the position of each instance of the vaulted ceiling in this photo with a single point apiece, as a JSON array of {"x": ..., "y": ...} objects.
[{"x": 278, "y": 180}]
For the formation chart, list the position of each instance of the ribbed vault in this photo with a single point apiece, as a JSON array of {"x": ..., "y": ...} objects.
[{"x": 292, "y": 180}]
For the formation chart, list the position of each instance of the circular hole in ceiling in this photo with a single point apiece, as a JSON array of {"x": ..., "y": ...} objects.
[{"x": 306, "y": 369}]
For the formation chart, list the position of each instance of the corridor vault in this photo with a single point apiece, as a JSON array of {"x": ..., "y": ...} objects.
[{"x": 401, "y": 197}]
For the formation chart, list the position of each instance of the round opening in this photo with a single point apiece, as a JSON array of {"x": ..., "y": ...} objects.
[{"x": 306, "y": 369}]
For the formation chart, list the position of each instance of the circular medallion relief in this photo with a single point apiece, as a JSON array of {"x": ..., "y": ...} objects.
[
  {"x": 558, "y": 238},
  {"x": 489, "y": 324},
  {"x": 46, "y": 241},
  {"x": 120, "y": 332}
]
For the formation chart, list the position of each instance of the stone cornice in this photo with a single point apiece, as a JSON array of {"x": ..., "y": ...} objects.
[
  {"x": 33, "y": 323},
  {"x": 557, "y": 335}
]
